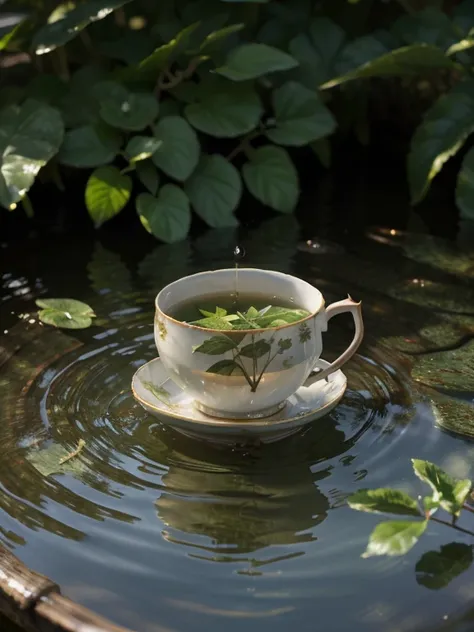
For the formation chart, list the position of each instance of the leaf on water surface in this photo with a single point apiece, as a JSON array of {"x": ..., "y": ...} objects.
[
  {"x": 394, "y": 538},
  {"x": 384, "y": 500},
  {"x": 436, "y": 569},
  {"x": 66, "y": 313},
  {"x": 55, "y": 459}
]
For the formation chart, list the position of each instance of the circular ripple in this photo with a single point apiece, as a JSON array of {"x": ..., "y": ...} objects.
[{"x": 147, "y": 505}]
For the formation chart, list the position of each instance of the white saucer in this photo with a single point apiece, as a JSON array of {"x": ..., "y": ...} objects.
[{"x": 164, "y": 399}]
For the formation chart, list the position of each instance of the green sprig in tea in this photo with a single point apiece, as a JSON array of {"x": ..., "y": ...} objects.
[{"x": 269, "y": 316}]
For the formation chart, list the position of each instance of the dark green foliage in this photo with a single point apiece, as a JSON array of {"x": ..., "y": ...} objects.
[{"x": 141, "y": 92}]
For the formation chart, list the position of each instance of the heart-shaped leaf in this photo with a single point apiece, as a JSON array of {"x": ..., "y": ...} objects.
[
  {"x": 66, "y": 313},
  {"x": 394, "y": 538},
  {"x": 225, "y": 113},
  {"x": 271, "y": 177},
  {"x": 148, "y": 175},
  {"x": 301, "y": 116},
  {"x": 249, "y": 61},
  {"x": 167, "y": 216},
  {"x": 30, "y": 135},
  {"x": 384, "y": 500},
  {"x": 141, "y": 147},
  {"x": 179, "y": 151},
  {"x": 215, "y": 189},
  {"x": 124, "y": 109},
  {"x": 89, "y": 146},
  {"x": 107, "y": 192}
]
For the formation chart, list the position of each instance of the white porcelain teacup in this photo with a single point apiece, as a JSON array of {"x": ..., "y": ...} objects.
[{"x": 247, "y": 373}]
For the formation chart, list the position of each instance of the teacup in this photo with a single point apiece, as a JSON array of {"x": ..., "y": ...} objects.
[{"x": 247, "y": 373}]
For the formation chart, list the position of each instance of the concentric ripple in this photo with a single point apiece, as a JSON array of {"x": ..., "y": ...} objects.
[{"x": 157, "y": 531}]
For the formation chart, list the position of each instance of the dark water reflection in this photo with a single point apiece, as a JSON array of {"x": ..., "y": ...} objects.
[{"x": 157, "y": 531}]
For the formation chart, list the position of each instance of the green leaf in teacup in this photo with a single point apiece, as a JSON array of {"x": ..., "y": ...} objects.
[
  {"x": 272, "y": 314},
  {"x": 255, "y": 349}
]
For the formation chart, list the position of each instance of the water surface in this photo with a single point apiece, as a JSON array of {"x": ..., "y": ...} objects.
[{"x": 159, "y": 532}]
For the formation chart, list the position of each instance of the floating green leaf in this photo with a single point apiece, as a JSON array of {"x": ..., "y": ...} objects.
[
  {"x": 89, "y": 146},
  {"x": 225, "y": 112},
  {"x": 30, "y": 135},
  {"x": 407, "y": 61},
  {"x": 384, "y": 500},
  {"x": 141, "y": 147},
  {"x": 178, "y": 154},
  {"x": 289, "y": 315},
  {"x": 225, "y": 367},
  {"x": 217, "y": 345},
  {"x": 465, "y": 187},
  {"x": 124, "y": 109},
  {"x": 249, "y": 61},
  {"x": 107, "y": 192},
  {"x": 61, "y": 31},
  {"x": 436, "y": 569},
  {"x": 394, "y": 538},
  {"x": 271, "y": 177},
  {"x": 148, "y": 175},
  {"x": 450, "y": 492},
  {"x": 65, "y": 313},
  {"x": 442, "y": 133},
  {"x": 167, "y": 216},
  {"x": 215, "y": 189},
  {"x": 301, "y": 116}
]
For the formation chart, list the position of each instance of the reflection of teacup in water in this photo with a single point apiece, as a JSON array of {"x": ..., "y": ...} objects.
[{"x": 225, "y": 513}]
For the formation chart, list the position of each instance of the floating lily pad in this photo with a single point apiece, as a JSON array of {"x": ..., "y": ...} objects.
[
  {"x": 66, "y": 313},
  {"x": 454, "y": 415},
  {"x": 447, "y": 370}
]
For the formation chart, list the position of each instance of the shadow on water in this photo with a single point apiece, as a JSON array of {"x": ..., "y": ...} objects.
[{"x": 158, "y": 531}]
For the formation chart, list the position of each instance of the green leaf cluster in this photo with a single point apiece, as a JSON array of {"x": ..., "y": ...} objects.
[
  {"x": 398, "y": 537},
  {"x": 253, "y": 318},
  {"x": 179, "y": 107}
]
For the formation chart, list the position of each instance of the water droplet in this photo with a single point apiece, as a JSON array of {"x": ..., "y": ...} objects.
[{"x": 239, "y": 252}]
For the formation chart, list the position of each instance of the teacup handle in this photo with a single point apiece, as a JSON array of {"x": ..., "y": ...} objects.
[{"x": 347, "y": 305}]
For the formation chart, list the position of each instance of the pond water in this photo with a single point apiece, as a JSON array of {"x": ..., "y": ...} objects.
[{"x": 159, "y": 532}]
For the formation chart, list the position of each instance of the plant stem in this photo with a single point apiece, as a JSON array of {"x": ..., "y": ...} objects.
[
  {"x": 269, "y": 361},
  {"x": 244, "y": 372},
  {"x": 453, "y": 526},
  {"x": 468, "y": 508},
  {"x": 243, "y": 145}
]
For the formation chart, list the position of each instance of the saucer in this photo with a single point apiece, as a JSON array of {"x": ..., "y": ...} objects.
[{"x": 163, "y": 398}]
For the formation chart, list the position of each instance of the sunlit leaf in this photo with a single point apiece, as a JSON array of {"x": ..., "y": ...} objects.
[
  {"x": 384, "y": 500},
  {"x": 450, "y": 492},
  {"x": 107, "y": 193},
  {"x": 65, "y": 313},
  {"x": 394, "y": 538},
  {"x": 30, "y": 135}
]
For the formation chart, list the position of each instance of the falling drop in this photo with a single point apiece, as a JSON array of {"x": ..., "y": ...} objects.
[{"x": 239, "y": 253}]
